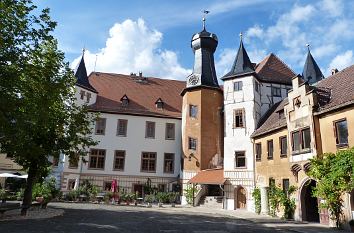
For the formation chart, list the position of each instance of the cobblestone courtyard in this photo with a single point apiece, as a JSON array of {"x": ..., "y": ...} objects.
[{"x": 103, "y": 218}]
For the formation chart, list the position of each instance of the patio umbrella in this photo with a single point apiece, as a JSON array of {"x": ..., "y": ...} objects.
[
  {"x": 76, "y": 185},
  {"x": 9, "y": 175},
  {"x": 114, "y": 186}
]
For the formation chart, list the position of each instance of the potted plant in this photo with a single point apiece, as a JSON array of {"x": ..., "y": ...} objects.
[
  {"x": 149, "y": 199},
  {"x": 161, "y": 197},
  {"x": 3, "y": 195},
  {"x": 351, "y": 224}
]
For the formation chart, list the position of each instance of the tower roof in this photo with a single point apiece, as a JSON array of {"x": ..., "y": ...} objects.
[
  {"x": 81, "y": 75},
  {"x": 242, "y": 64},
  {"x": 312, "y": 73}
]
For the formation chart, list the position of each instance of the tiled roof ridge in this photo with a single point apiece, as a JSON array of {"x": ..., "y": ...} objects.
[{"x": 134, "y": 77}]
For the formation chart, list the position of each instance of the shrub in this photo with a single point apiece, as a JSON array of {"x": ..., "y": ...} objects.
[
  {"x": 3, "y": 194},
  {"x": 172, "y": 197},
  {"x": 257, "y": 199},
  {"x": 150, "y": 198},
  {"x": 189, "y": 191}
]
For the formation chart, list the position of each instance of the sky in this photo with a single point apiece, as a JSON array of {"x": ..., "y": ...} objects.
[{"x": 154, "y": 36}]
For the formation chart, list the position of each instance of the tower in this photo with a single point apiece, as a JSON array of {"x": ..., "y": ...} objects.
[
  {"x": 312, "y": 73},
  {"x": 202, "y": 120}
]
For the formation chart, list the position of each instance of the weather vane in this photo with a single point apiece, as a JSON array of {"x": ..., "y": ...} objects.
[
  {"x": 240, "y": 35},
  {"x": 83, "y": 51},
  {"x": 205, "y": 13},
  {"x": 308, "y": 46}
]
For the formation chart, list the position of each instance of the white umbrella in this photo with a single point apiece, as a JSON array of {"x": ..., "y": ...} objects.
[
  {"x": 23, "y": 176},
  {"x": 76, "y": 183},
  {"x": 8, "y": 175}
]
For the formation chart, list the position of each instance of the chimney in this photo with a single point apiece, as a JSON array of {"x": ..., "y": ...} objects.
[
  {"x": 140, "y": 74},
  {"x": 334, "y": 71},
  {"x": 133, "y": 75}
]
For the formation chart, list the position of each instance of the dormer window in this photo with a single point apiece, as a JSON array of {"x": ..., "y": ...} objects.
[
  {"x": 125, "y": 101},
  {"x": 159, "y": 103}
]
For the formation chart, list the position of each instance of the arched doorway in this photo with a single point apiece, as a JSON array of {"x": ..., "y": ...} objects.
[
  {"x": 240, "y": 198},
  {"x": 309, "y": 204}
]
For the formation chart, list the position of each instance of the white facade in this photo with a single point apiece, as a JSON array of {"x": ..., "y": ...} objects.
[
  {"x": 133, "y": 144},
  {"x": 253, "y": 101}
]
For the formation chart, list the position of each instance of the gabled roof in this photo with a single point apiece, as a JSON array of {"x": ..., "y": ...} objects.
[
  {"x": 242, "y": 64},
  {"x": 81, "y": 75},
  {"x": 272, "y": 120},
  {"x": 142, "y": 95},
  {"x": 312, "y": 73},
  {"x": 273, "y": 70},
  {"x": 210, "y": 176},
  {"x": 339, "y": 88}
]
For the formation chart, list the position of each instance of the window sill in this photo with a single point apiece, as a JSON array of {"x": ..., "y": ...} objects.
[
  {"x": 283, "y": 156},
  {"x": 118, "y": 170},
  {"x": 258, "y": 160},
  {"x": 301, "y": 152},
  {"x": 241, "y": 168},
  {"x": 99, "y": 169},
  {"x": 270, "y": 158},
  {"x": 170, "y": 139},
  {"x": 148, "y": 171},
  {"x": 169, "y": 172},
  {"x": 99, "y": 134},
  {"x": 121, "y": 135},
  {"x": 342, "y": 146},
  {"x": 150, "y": 137}
]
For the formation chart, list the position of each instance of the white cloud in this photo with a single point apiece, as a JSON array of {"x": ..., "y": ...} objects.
[
  {"x": 225, "y": 61},
  {"x": 332, "y": 7},
  {"x": 341, "y": 61},
  {"x": 133, "y": 47},
  {"x": 255, "y": 31}
]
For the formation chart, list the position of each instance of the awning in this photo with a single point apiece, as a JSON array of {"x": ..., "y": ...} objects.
[{"x": 210, "y": 176}]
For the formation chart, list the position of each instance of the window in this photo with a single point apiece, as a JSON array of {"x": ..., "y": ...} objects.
[
  {"x": 192, "y": 143},
  {"x": 119, "y": 158},
  {"x": 170, "y": 131},
  {"x": 276, "y": 91},
  {"x": 238, "y": 118},
  {"x": 55, "y": 162},
  {"x": 258, "y": 151},
  {"x": 88, "y": 97},
  {"x": 301, "y": 140},
  {"x": 71, "y": 184},
  {"x": 100, "y": 126},
  {"x": 82, "y": 94},
  {"x": 150, "y": 129},
  {"x": 270, "y": 149},
  {"x": 161, "y": 187},
  {"x": 193, "y": 111},
  {"x": 122, "y": 127},
  {"x": 286, "y": 185},
  {"x": 240, "y": 159},
  {"x": 341, "y": 132},
  {"x": 297, "y": 101},
  {"x": 148, "y": 162},
  {"x": 73, "y": 162},
  {"x": 125, "y": 101},
  {"x": 168, "y": 164},
  {"x": 256, "y": 86},
  {"x": 238, "y": 86},
  {"x": 159, "y": 103},
  {"x": 97, "y": 158},
  {"x": 283, "y": 146}
]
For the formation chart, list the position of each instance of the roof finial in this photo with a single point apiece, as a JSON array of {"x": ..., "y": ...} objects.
[
  {"x": 308, "y": 47},
  {"x": 83, "y": 51},
  {"x": 241, "y": 36},
  {"x": 204, "y": 16}
]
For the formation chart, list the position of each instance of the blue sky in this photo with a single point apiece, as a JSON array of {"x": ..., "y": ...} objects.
[{"x": 154, "y": 36}]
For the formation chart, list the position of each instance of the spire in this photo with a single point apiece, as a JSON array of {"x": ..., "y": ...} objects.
[
  {"x": 242, "y": 63},
  {"x": 312, "y": 73},
  {"x": 81, "y": 75},
  {"x": 204, "y": 45}
]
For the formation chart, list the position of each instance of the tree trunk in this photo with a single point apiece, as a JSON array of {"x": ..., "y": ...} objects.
[{"x": 27, "y": 197}]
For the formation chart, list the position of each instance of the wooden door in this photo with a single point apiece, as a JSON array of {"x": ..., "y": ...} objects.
[{"x": 241, "y": 198}]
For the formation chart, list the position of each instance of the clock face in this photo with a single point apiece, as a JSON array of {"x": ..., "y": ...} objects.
[{"x": 193, "y": 80}]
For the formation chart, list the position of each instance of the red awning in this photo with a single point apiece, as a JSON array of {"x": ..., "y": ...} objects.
[{"x": 210, "y": 176}]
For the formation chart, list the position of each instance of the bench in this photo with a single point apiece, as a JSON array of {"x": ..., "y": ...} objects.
[{"x": 8, "y": 206}]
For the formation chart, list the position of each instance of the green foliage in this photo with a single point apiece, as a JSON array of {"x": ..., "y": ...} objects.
[
  {"x": 257, "y": 199},
  {"x": 87, "y": 189},
  {"x": 334, "y": 174},
  {"x": 37, "y": 94},
  {"x": 3, "y": 194},
  {"x": 127, "y": 197},
  {"x": 172, "y": 196},
  {"x": 19, "y": 194},
  {"x": 72, "y": 195},
  {"x": 162, "y": 197},
  {"x": 150, "y": 198},
  {"x": 279, "y": 198},
  {"x": 108, "y": 196},
  {"x": 47, "y": 190},
  {"x": 189, "y": 192}
]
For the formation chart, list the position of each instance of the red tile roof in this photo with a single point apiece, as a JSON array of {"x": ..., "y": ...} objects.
[
  {"x": 272, "y": 69},
  {"x": 210, "y": 176},
  {"x": 142, "y": 95},
  {"x": 340, "y": 87}
]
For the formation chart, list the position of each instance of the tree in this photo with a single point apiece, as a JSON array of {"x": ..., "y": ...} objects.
[
  {"x": 334, "y": 174},
  {"x": 38, "y": 114}
]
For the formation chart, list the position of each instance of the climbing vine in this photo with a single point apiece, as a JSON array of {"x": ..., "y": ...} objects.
[
  {"x": 257, "y": 199},
  {"x": 281, "y": 198}
]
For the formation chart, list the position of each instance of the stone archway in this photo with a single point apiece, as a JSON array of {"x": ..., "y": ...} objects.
[
  {"x": 309, "y": 204},
  {"x": 240, "y": 198}
]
